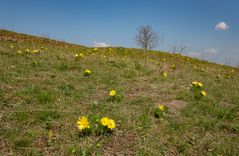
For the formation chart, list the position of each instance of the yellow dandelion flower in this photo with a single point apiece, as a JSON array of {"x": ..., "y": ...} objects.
[
  {"x": 111, "y": 124},
  {"x": 87, "y": 72},
  {"x": 161, "y": 107},
  {"x": 11, "y": 46},
  {"x": 104, "y": 121},
  {"x": 19, "y": 52},
  {"x": 76, "y": 56},
  {"x": 82, "y": 55},
  {"x": 164, "y": 74},
  {"x": 110, "y": 50},
  {"x": 35, "y": 51},
  {"x": 203, "y": 93},
  {"x": 83, "y": 123},
  {"x": 199, "y": 84},
  {"x": 95, "y": 49},
  {"x": 195, "y": 83},
  {"x": 172, "y": 67},
  {"x": 27, "y": 50},
  {"x": 112, "y": 93}
]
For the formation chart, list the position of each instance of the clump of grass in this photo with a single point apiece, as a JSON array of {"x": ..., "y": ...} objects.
[
  {"x": 47, "y": 115},
  {"x": 45, "y": 97}
]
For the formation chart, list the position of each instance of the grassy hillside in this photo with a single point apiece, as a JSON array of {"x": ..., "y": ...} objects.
[{"x": 44, "y": 90}]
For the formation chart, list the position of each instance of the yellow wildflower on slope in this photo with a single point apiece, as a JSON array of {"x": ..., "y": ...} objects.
[
  {"x": 81, "y": 55},
  {"x": 197, "y": 84},
  {"x": 110, "y": 50},
  {"x": 27, "y": 50},
  {"x": 203, "y": 93},
  {"x": 161, "y": 107},
  {"x": 83, "y": 123},
  {"x": 164, "y": 74},
  {"x": 76, "y": 56},
  {"x": 35, "y": 51},
  {"x": 87, "y": 72},
  {"x": 111, "y": 124},
  {"x": 104, "y": 121},
  {"x": 112, "y": 93}
]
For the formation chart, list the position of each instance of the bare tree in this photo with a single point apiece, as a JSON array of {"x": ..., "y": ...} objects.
[
  {"x": 146, "y": 38},
  {"x": 174, "y": 49},
  {"x": 182, "y": 48},
  {"x": 178, "y": 49}
]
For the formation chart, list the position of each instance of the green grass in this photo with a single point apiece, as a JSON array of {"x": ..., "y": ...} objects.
[{"x": 48, "y": 91}]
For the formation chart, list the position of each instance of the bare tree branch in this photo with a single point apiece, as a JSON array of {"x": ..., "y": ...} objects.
[{"x": 146, "y": 38}]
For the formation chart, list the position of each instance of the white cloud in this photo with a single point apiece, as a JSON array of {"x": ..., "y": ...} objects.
[
  {"x": 101, "y": 44},
  {"x": 194, "y": 54},
  {"x": 211, "y": 51},
  {"x": 221, "y": 26}
]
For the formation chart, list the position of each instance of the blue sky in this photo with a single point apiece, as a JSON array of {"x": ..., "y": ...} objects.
[{"x": 115, "y": 22}]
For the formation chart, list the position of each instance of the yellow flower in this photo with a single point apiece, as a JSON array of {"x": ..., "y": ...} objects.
[
  {"x": 76, "y": 56},
  {"x": 164, "y": 74},
  {"x": 203, "y": 93},
  {"x": 27, "y": 50},
  {"x": 95, "y": 49},
  {"x": 172, "y": 67},
  {"x": 35, "y": 51},
  {"x": 19, "y": 52},
  {"x": 104, "y": 121},
  {"x": 83, "y": 123},
  {"x": 197, "y": 84},
  {"x": 112, "y": 93},
  {"x": 110, "y": 50},
  {"x": 161, "y": 107},
  {"x": 82, "y": 55},
  {"x": 111, "y": 124},
  {"x": 11, "y": 46},
  {"x": 87, "y": 72}
]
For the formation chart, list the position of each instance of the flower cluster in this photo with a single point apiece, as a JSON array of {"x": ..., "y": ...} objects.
[
  {"x": 197, "y": 88},
  {"x": 80, "y": 55},
  {"x": 36, "y": 51},
  {"x": 109, "y": 123},
  {"x": 27, "y": 51},
  {"x": 197, "y": 84},
  {"x": 102, "y": 126}
]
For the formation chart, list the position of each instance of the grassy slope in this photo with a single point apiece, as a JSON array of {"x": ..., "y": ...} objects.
[{"x": 46, "y": 91}]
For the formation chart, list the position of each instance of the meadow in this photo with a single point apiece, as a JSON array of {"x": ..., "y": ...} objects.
[{"x": 156, "y": 103}]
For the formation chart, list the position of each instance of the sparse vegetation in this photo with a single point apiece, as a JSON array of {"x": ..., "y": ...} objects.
[{"x": 155, "y": 107}]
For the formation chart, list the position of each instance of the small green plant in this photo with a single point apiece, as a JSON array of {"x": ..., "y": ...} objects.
[{"x": 44, "y": 97}]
